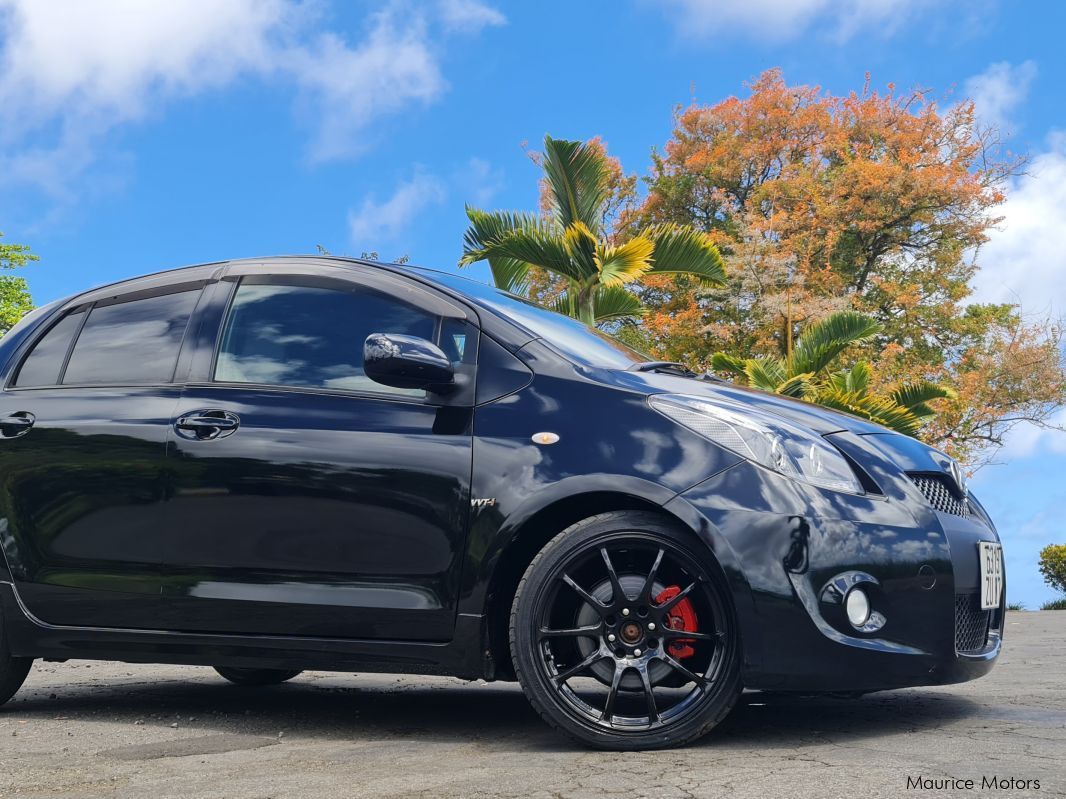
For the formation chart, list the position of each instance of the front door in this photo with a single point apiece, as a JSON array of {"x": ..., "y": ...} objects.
[
  {"x": 83, "y": 428},
  {"x": 322, "y": 503}
]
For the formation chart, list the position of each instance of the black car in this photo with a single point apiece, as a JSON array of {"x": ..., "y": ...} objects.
[{"x": 322, "y": 463}]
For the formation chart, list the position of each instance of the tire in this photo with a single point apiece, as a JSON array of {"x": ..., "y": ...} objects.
[
  {"x": 13, "y": 670},
  {"x": 256, "y": 677},
  {"x": 594, "y": 637}
]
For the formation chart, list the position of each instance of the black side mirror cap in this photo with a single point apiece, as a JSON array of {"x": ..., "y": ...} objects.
[{"x": 401, "y": 361}]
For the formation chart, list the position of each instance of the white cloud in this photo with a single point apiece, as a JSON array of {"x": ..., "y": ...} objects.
[
  {"x": 469, "y": 16},
  {"x": 72, "y": 71},
  {"x": 777, "y": 20},
  {"x": 999, "y": 90},
  {"x": 479, "y": 181},
  {"x": 1026, "y": 440},
  {"x": 352, "y": 87},
  {"x": 1024, "y": 261},
  {"x": 376, "y": 222}
]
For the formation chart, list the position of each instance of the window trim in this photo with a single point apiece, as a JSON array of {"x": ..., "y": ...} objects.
[
  {"x": 356, "y": 285},
  {"x": 87, "y": 307}
]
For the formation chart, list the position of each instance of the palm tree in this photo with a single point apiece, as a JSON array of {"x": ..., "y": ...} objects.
[
  {"x": 569, "y": 243},
  {"x": 806, "y": 374}
]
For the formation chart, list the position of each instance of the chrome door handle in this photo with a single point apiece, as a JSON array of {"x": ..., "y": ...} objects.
[
  {"x": 17, "y": 424},
  {"x": 207, "y": 425}
]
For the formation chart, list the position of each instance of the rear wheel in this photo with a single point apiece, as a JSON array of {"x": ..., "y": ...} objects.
[
  {"x": 13, "y": 670},
  {"x": 256, "y": 677},
  {"x": 623, "y": 637}
]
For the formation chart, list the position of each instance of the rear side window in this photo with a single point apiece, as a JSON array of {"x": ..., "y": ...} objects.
[
  {"x": 312, "y": 336},
  {"x": 131, "y": 342},
  {"x": 45, "y": 362}
]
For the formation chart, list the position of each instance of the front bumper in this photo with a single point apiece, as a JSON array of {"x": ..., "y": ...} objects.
[{"x": 786, "y": 542}]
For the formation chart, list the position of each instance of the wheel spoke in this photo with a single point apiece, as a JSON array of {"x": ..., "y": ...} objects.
[
  {"x": 591, "y": 631},
  {"x": 649, "y": 696},
  {"x": 684, "y": 592},
  {"x": 676, "y": 666},
  {"x": 608, "y": 707},
  {"x": 670, "y": 632},
  {"x": 618, "y": 593},
  {"x": 581, "y": 592},
  {"x": 580, "y": 667},
  {"x": 649, "y": 583}
]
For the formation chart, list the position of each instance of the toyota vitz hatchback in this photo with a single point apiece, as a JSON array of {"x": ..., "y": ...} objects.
[{"x": 321, "y": 463}]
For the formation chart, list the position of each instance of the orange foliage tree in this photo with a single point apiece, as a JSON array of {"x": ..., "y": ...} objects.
[{"x": 873, "y": 202}]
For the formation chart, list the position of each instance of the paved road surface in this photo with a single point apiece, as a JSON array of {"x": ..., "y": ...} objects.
[{"x": 85, "y": 729}]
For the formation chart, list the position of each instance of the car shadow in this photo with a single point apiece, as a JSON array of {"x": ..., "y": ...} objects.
[{"x": 496, "y": 715}]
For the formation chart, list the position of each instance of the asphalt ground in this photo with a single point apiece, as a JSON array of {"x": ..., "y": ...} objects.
[{"x": 86, "y": 729}]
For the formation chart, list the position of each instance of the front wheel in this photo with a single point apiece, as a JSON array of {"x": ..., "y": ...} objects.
[
  {"x": 256, "y": 677},
  {"x": 622, "y": 636}
]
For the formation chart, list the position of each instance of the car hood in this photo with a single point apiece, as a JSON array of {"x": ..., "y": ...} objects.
[{"x": 814, "y": 417}]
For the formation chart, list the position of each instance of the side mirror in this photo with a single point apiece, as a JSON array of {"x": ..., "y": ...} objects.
[{"x": 400, "y": 361}]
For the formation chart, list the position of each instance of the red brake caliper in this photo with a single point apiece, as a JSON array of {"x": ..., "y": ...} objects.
[{"x": 681, "y": 616}]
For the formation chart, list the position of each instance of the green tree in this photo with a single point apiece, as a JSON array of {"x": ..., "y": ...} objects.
[
  {"x": 569, "y": 243},
  {"x": 15, "y": 299},
  {"x": 1053, "y": 566},
  {"x": 806, "y": 373}
]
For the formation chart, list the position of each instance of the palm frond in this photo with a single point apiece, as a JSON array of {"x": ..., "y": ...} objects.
[
  {"x": 916, "y": 394},
  {"x": 881, "y": 410},
  {"x": 765, "y": 373},
  {"x": 578, "y": 181},
  {"x": 614, "y": 302},
  {"x": 728, "y": 364},
  {"x": 624, "y": 263},
  {"x": 510, "y": 275},
  {"x": 824, "y": 340},
  {"x": 537, "y": 248},
  {"x": 488, "y": 227},
  {"x": 685, "y": 250},
  {"x": 858, "y": 378},
  {"x": 798, "y": 386},
  {"x": 581, "y": 244}
]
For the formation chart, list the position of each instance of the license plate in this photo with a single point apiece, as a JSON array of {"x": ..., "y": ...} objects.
[{"x": 991, "y": 557}]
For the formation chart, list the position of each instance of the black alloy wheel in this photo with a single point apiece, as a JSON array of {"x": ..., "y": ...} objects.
[
  {"x": 256, "y": 677},
  {"x": 623, "y": 636}
]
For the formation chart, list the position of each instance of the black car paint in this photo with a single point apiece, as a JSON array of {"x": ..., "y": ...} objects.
[{"x": 123, "y": 539}]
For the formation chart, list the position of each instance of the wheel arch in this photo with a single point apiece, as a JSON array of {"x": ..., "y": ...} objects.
[{"x": 528, "y": 538}]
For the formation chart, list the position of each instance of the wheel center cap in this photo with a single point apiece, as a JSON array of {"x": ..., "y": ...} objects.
[{"x": 631, "y": 632}]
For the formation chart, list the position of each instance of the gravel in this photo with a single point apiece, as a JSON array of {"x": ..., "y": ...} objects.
[{"x": 84, "y": 728}]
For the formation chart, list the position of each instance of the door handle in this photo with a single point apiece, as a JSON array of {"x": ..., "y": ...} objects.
[
  {"x": 17, "y": 424},
  {"x": 207, "y": 425}
]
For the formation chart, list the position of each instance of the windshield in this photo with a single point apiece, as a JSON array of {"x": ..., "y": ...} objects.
[{"x": 575, "y": 340}]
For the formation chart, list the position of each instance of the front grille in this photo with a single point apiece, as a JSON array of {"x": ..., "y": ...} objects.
[
  {"x": 940, "y": 495},
  {"x": 971, "y": 623}
]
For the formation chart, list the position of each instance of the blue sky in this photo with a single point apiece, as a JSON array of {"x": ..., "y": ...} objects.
[{"x": 136, "y": 136}]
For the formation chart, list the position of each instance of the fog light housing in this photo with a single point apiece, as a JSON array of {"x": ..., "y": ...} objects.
[{"x": 857, "y": 606}]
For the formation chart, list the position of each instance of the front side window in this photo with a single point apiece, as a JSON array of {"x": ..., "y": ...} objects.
[
  {"x": 134, "y": 342},
  {"x": 312, "y": 336}
]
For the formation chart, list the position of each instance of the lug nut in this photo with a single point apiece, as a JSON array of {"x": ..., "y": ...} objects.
[
  {"x": 610, "y": 637},
  {"x": 636, "y": 652},
  {"x": 625, "y": 611},
  {"x": 651, "y": 625}
]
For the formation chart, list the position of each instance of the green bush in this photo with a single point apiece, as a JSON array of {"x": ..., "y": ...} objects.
[
  {"x": 1053, "y": 566},
  {"x": 1055, "y": 604},
  {"x": 1015, "y": 606}
]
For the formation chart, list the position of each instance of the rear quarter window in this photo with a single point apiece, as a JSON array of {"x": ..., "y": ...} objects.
[{"x": 44, "y": 364}]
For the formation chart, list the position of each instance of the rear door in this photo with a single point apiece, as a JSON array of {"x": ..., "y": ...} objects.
[
  {"x": 84, "y": 419},
  {"x": 323, "y": 503}
]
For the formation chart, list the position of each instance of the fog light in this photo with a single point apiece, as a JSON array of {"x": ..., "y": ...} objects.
[{"x": 857, "y": 605}]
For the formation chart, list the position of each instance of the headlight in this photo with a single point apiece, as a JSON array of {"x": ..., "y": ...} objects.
[{"x": 762, "y": 438}]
